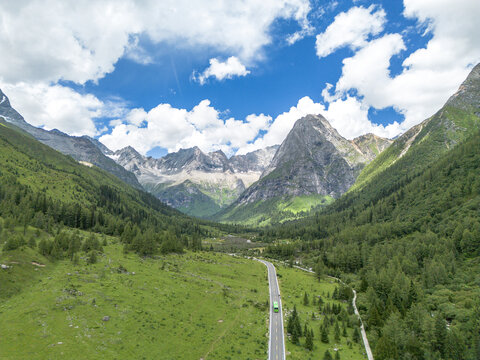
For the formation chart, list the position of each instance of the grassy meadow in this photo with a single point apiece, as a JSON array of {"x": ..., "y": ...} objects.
[{"x": 191, "y": 306}]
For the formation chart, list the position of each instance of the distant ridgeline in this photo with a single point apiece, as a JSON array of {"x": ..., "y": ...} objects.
[
  {"x": 407, "y": 237},
  {"x": 46, "y": 189}
]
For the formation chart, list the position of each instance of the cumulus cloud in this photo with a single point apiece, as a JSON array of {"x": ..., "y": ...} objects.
[
  {"x": 349, "y": 117},
  {"x": 49, "y": 40},
  {"x": 429, "y": 76},
  {"x": 44, "y": 42},
  {"x": 222, "y": 70},
  {"x": 174, "y": 128},
  {"x": 58, "y": 107},
  {"x": 352, "y": 28},
  {"x": 202, "y": 126}
]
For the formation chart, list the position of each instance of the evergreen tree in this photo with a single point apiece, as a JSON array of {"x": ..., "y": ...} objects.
[
  {"x": 327, "y": 356},
  {"x": 76, "y": 259},
  {"x": 309, "y": 339},
  {"x": 356, "y": 335},
  {"x": 454, "y": 346},
  {"x": 337, "y": 355},
  {"x": 32, "y": 242},
  {"x": 319, "y": 270},
  {"x": 324, "y": 335},
  {"x": 337, "y": 331},
  {"x": 305, "y": 299},
  {"x": 293, "y": 326},
  {"x": 92, "y": 257},
  {"x": 440, "y": 333},
  {"x": 291, "y": 320}
]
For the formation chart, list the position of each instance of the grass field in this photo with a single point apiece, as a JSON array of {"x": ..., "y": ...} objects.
[
  {"x": 293, "y": 285},
  {"x": 190, "y": 306}
]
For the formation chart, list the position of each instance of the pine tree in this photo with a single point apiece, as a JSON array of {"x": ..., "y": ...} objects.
[
  {"x": 92, "y": 257},
  {"x": 327, "y": 356},
  {"x": 337, "y": 355},
  {"x": 295, "y": 337},
  {"x": 440, "y": 334},
  {"x": 337, "y": 331},
  {"x": 309, "y": 339},
  {"x": 298, "y": 327},
  {"x": 324, "y": 335},
  {"x": 293, "y": 326},
  {"x": 319, "y": 270},
  {"x": 356, "y": 335},
  {"x": 32, "y": 243},
  {"x": 305, "y": 299},
  {"x": 454, "y": 346}
]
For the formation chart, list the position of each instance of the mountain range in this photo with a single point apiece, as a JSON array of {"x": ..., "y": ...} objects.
[
  {"x": 192, "y": 181},
  {"x": 313, "y": 166},
  {"x": 313, "y": 160}
]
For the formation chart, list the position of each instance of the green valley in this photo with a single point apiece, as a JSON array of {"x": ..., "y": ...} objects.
[{"x": 190, "y": 306}]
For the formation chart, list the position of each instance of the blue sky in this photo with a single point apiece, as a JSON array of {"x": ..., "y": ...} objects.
[{"x": 144, "y": 78}]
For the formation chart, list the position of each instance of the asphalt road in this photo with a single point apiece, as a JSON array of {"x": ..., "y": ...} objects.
[{"x": 276, "y": 344}]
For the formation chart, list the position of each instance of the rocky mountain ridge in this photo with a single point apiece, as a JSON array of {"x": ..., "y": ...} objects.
[
  {"x": 83, "y": 148},
  {"x": 315, "y": 159},
  {"x": 189, "y": 176},
  {"x": 452, "y": 124}
]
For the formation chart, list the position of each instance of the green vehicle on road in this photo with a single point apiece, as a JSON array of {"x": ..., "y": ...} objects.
[{"x": 275, "y": 306}]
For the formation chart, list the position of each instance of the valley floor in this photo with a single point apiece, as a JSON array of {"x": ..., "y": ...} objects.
[
  {"x": 198, "y": 305},
  {"x": 190, "y": 306}
]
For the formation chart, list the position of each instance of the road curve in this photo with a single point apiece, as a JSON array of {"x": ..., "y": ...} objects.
[{"x": 276, "y": 343}]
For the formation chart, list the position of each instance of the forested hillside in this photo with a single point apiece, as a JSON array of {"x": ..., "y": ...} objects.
[
  {"x": 411, "y": 247},
  {"x": 43, "y": 188}
]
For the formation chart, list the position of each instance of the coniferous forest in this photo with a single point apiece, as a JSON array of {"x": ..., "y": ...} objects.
[
  {"x": 45, "y": 189},
  {"x": 411, "y": 248}
]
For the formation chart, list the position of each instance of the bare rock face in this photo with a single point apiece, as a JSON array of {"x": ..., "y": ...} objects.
[
  {"x": 467, "y": 96},
  {"x": 314, "y": 159},
  {"x": 82, "y": 148},
  {"x": 195, "y": 182}
]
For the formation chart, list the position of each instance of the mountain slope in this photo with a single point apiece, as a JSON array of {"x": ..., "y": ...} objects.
[
  {"x": 313, "y": 160},
  {"x": 408, "y": 239},
  {"x": 434, "y": 136},
  {"x": 192, "y": 181},
  {"x": 412, "y": 255},
  {"x": 42, "y": 187},
  {"x": 80, "y": 148}
]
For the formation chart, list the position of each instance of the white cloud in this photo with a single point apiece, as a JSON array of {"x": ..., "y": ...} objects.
[
  {"x": 222, "y": 70},
  {"x": 350, "y": 117},
  {"x": 429, "y": 76},
  {"x": 173, "y": 128},
  {"x": 351, "y": 28},
  {"x": 202, "y": 126},
  {"x": 58, "y": 107},
  {"x": 49, "y": 40},
  {"x": 43, "y": 42}
]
